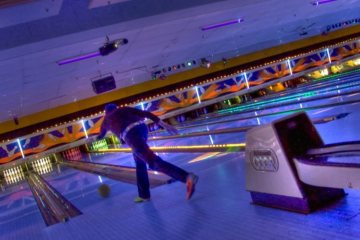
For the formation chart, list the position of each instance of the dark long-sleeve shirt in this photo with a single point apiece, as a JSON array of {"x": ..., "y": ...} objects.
[{"x": 118, "y": 120}]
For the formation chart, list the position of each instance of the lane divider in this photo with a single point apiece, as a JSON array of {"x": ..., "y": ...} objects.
[{"x": 231, "y": 147}]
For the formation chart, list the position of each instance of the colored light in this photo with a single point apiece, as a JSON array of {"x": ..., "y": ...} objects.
[
  {"x": 197, "y": 94},
  {"x": 211, "y": 139},
  {"x": 84, "y": 127},
  {"x": 289, "y": 66},
  {"x": 19, "y": 144},
  {"x": 357, "y": 61},
  {"x": 231, "y": 147},
  {"x": 78, "y": 58},
  {"x": 246, "y": 81},
  {"x": 316, "y": 3},
  {"x": 223, "y": 24},
  {"x": 142, "y": 106},
  {"x": 328, "y": 54},
  {"x": 204, "y": 156}
]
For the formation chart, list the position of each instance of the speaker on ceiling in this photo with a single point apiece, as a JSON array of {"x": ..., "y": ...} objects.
[{"x": 103, "y": 84}]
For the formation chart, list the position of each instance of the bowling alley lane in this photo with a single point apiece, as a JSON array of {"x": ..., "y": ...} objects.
[
  {"x": 303, "y": 98},
  {"x": 217, "y": 170},
  {"x": 318, "y": 108},
  {"x": 18, "y": 210}
]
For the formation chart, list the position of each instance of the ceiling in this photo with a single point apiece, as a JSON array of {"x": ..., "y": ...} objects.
[{"x": 35, "y": 34}]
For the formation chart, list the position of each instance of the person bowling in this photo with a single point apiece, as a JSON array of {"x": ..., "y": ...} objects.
[{"x": 128, "y": 124}]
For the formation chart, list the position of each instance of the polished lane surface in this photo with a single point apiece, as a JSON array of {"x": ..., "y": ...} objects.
[{"x": 220, "y": 209}]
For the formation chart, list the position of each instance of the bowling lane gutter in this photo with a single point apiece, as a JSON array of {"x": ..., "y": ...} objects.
[
  {"x": 53, "y": 207},
  {"x": 116, "y": 172},
  {"x": 238, "y": 129}
]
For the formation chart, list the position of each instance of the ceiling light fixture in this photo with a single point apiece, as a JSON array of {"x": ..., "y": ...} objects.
[
  {"x": 106, "y": 49},
  {"x": 78, "y": 58},
  {"x": 205, "y": 63},
  {"x": 317, "y": 3},
  {"x": 222, "y": 24}
]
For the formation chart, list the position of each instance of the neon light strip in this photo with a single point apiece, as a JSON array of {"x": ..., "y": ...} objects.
[
  {"x": 317, "y": 3},
  {"x": 223, "y": 24},
  {"x": 246, "y": 80},
  {"x": 83, "y": 125},
  {"x": 22, "y": 153},
  {"x": 211, "y": 140},
  {"x": 234, "y": 147},
  {"x": 289, "y": 65},
  {"x": 291, "y": 98},
  {"x": 328, "y": 53},
  {"x": 78, "y": 58},
  {"x": 197, "y": 93},
  {"x": 257, "y": 119}
]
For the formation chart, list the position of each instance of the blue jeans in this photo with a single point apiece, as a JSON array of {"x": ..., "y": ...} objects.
[{"x": 136, "y": 138}]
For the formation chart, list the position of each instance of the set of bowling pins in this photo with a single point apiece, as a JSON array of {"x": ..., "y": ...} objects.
[
  {"x": 72, "y": 154},
  {"x": 42, "y": 165},
  {"x": 14, "y": 175},
  {"x": 100, "y": 144}
]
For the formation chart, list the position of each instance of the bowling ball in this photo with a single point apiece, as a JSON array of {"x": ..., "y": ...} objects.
[{"x": 104, "y": 190}]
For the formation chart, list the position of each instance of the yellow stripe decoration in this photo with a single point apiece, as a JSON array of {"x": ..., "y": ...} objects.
[{"x": 231, "y": 147}]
